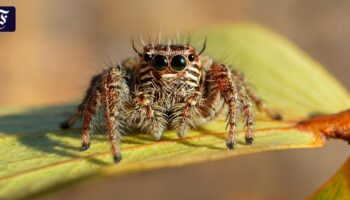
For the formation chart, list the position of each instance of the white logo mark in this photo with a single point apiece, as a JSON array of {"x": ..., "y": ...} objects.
[{"x": 3, "y": 17}]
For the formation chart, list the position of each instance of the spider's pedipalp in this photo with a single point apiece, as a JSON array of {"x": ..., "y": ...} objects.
[
  {"x": 153, "y": 125},
  {"x": 187, "y": 114}
]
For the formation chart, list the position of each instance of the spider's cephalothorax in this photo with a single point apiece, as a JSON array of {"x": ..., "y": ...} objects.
[{"x": 167, "y": 87}]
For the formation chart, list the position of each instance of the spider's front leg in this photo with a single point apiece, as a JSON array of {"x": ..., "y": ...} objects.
[
  {"x": 235, "y": 96},
  {"x": 114, "y": 93}
]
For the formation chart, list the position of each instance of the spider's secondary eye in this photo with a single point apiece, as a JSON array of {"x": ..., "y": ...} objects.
[
  {"x": 160, "y": 62},
  {"x": 178, "y": 62},
  {"x": 146, "y": 57},
  {"x": 191, "y": 57}
]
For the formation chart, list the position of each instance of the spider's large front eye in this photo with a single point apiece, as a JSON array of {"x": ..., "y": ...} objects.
[
  {"x": 160, "y": 62},
  {"x": 178, "y": 62}
]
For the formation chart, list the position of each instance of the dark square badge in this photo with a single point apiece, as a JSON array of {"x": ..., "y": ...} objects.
[{"x": 7, "y": 18}]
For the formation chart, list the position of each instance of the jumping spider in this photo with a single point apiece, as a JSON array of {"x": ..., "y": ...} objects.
[{"x": 166, "y": 87}]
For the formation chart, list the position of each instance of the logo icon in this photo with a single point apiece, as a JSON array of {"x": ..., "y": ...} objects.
[{"x": 7, "y": 19}]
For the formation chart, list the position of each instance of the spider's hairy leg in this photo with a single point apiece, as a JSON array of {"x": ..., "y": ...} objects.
[
  {"x": 202, "y": 105},
  {"x": 88, "y": 113},
  {"x": 79, "y": 112},
  {"x": 257, "y": 101},
  {"x": 247, "y": 110},
  {"x": 144, "y": 101},
  {"x": 191, "y": 102},
  {"x": 230, "y": 91},
  {"x": 113, "y": 90}
]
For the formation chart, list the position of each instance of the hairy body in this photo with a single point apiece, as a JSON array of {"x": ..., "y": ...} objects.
[{"x": 166, "y": 87}]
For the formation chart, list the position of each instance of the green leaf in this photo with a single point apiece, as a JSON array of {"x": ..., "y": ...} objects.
[
  {"x": 338, "y": 187},
  {"x": 36, "y": 156}
]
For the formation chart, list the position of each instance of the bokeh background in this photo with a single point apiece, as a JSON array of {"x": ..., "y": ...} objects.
[{"x": 59, "y": 44}]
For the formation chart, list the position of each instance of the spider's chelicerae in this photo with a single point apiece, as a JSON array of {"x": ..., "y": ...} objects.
[{"x": 166, "y": 87}]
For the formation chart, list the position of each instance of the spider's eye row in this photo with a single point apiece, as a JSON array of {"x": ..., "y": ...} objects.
[
  {"x": 178, "y": 62},
  {"x": 160, "y": 62},
  {"x": 191, "y": 57},
  {"x": 147, "y": 57}
]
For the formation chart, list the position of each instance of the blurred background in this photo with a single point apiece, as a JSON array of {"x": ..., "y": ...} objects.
[{"x": 59, "y": 45}]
